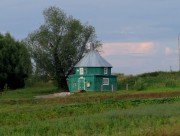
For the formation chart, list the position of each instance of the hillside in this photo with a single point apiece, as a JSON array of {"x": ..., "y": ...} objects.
[{"x": 150, "y": 81}]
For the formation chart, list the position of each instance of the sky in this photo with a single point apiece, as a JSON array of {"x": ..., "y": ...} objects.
[{"x": 138, "y": 36}]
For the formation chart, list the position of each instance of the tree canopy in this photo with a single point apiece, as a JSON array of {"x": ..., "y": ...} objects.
[
  {"x": 59, "y": 44},
  {"x": 15, "y": 63}
]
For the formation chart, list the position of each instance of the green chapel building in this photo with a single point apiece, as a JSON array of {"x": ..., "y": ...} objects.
[{"x": 92, "y": 73}]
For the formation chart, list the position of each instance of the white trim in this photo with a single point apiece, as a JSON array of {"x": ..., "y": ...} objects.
[
  {"x": 81, "y": 71},
  {"x": 105, "y": 81},
  {"x": 105, "y": 71},
  {"x": 81, "y": 78}
]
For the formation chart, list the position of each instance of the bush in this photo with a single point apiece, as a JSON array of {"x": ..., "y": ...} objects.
[
  {"x": 147, "y": 81},
  {"x": 124, "y": 80},
  {"x": 139, "y": 85},
  {"x": 170, "y": 83}
]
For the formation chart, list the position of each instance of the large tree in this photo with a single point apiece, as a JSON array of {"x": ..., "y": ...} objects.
[
  {"x": 59, "y": 44},
  {"x": 15, "y": 63}
]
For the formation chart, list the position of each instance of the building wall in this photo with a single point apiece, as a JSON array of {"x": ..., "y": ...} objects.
[
  {"x": 92, "y": 83},
  {"x": 89, "y": 83},
  {"x": 74, "y": 83},
  {"x": 92, "y": 79},
  {"x": 93, "y": 71},
  {"x": 111, "y": 86}
]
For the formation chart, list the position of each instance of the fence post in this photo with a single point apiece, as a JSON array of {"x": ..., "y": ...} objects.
[
  {"x": 112, "y": 88},
  {"x": 101, "y": 88},
  {"x": 127, "y": 87}
]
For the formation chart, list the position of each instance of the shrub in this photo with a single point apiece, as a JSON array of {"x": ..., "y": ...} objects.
[
  {"x": 124, "y": 80},
  {"x": 139, "y": 85},
  {"x": 170, "y": 83}
]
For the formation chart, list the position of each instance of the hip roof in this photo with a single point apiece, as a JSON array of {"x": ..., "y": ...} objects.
[{"x": 93, "y": 59}]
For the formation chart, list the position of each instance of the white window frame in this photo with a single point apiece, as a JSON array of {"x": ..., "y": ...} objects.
[
  {"x": 105, "y": 81},
  {"x": 81, "y": 71},
  {"x": 106, "y": 71},
  {"x": 79, "y": 83}
]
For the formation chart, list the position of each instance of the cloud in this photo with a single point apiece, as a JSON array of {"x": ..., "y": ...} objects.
[
  {"x": 128, "y": 48},
  {"x": 169, "y": 51},
  {"x": 128, "y": 56}
]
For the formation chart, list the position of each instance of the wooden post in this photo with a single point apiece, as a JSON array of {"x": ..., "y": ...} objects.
[
  {"x": 101, "y": 88},
  {"x": 127, "y": 87},
  {"x": 112, "y": 88}
]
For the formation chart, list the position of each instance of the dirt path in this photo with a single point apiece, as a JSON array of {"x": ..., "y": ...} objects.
[{"x": 62, "y": 94}]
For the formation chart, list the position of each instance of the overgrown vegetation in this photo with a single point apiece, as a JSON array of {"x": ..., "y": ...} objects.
[
  {"x": 150, "y": 81},
  {"x": 15, "y": 63},
  {"x": 123, "y": 113}
]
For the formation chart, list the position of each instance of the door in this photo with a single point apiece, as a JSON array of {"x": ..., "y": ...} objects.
[{"x": 81, "y": 83}]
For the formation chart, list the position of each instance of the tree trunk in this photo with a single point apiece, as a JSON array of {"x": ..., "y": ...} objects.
[
  {"x": 61, "y": 80},
  {"x": 2, "y": 84},
  {"x": 63, "y": 84},
  {"x": 60, "y": 74}
]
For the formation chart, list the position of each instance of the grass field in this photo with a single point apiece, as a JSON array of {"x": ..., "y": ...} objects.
[{"x": 126, "y": 113}]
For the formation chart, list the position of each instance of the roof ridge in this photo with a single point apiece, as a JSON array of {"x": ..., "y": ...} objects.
[{"x": 93, "y": 59}]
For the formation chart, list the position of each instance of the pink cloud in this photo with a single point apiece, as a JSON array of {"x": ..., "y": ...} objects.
[
  {"x": 170, "y": 51},
  {"x": 128, "y": 48}
]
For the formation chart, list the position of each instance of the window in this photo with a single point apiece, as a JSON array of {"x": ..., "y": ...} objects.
[
  {"x": 105, "y": 70},
  {"x": 105, "y": 81},
  {"x": 87, "y": 84},
  {"x": 74, "y": 84},
  {"x": 81, "y": 72}
]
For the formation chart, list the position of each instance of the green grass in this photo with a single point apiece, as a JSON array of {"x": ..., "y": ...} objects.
[
  {"x": 126, "y": 113},
  {"x": 141, "y": 120},
  {"x": 150, "y": 81},
  {"x": 29, "y": 92}
]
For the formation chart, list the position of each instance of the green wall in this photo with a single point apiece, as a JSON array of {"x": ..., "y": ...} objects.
[
  {"x": 95, "y": 81},
  {"x": 92, "y": 80},
  {"x": 93, "y": 71},
  {"x": 74, "y": 84},
  {"x": 112, "y": 83}
]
